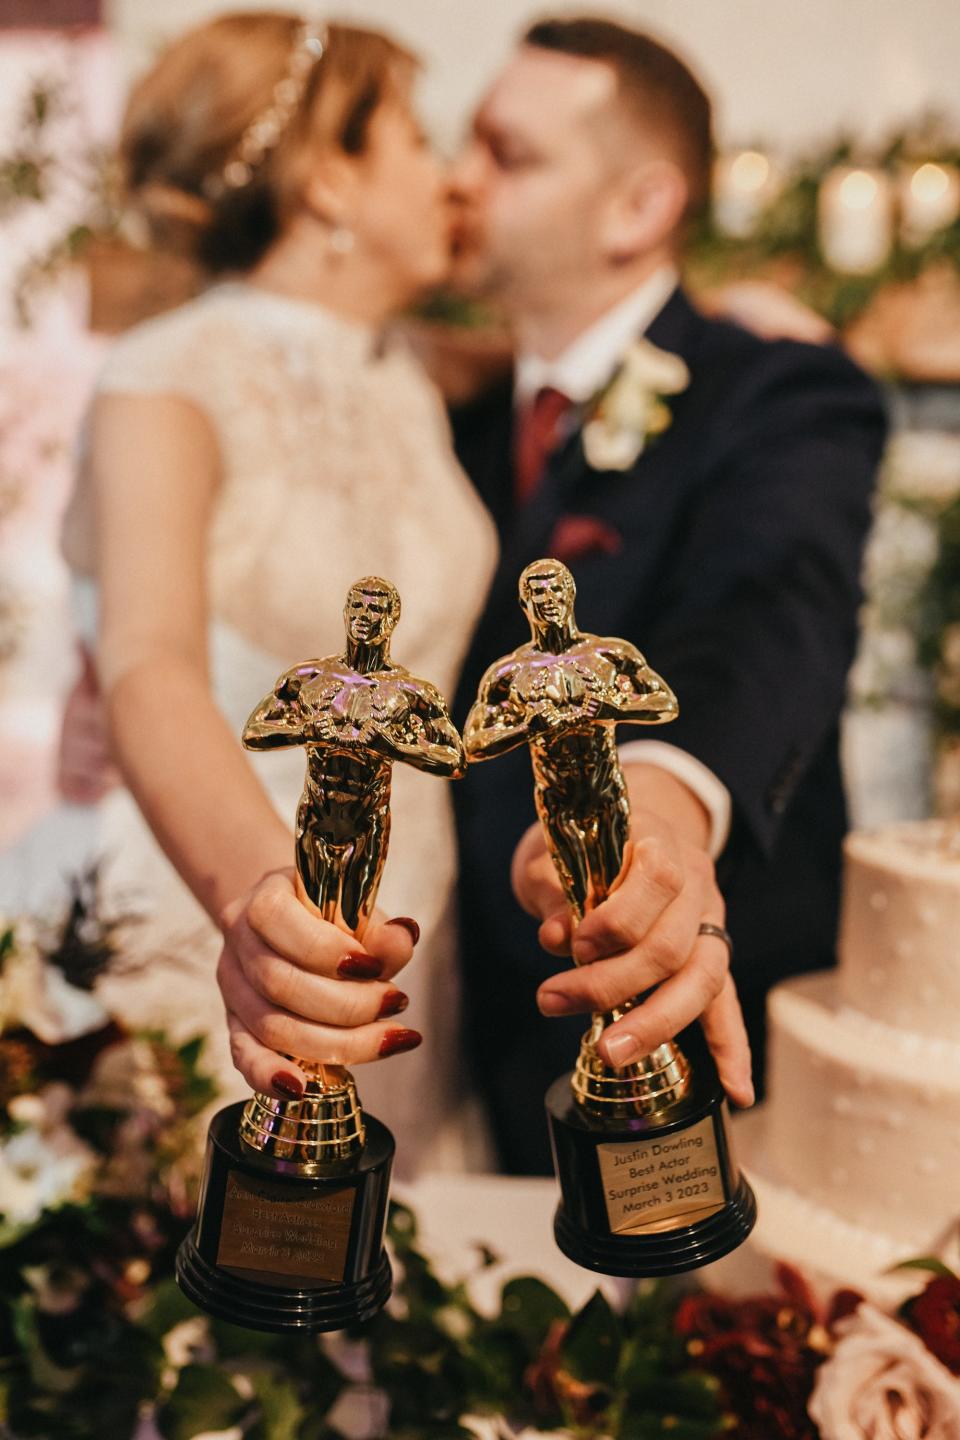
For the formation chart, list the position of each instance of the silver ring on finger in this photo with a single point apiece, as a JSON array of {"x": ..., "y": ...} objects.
[{"x": 718, "y": 933}]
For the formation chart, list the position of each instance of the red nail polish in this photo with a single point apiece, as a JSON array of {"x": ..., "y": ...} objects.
[
  {"x": 392, "y": 1003},
  {"x": 288, "y": 1085},
  {"x": 396, "y": 1041},
  {"x": 360, "y": 967},
  {"x": 411, "y": 926}
]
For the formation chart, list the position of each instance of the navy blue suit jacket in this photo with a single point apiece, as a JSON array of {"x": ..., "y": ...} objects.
[{"x": 730, "y": 554}]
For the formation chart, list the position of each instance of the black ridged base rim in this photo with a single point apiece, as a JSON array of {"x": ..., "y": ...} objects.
[
  {"x": 668, "y": 1252},
  {"x": 268, "y": 1308}
]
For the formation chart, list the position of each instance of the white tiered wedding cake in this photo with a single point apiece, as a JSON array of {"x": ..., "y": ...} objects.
[{"x": 855, "y": 1157}]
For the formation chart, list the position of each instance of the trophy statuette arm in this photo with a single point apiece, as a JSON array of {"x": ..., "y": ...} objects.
[
  {"x": 438, "y": 750},
  {"x": 638, "y": 695},
  {"x": 278, "y": 721},
  {"x": 435, "y": 747},
  {"x": 497, "y": 722}
]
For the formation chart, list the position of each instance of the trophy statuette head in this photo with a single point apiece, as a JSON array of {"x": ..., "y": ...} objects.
[
  {"x": 371, "y": 611},
  {"x": 547, "y": 594},
  {"x": 563, "y": 694}
]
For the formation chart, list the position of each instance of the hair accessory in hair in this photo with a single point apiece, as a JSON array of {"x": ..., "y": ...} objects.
[{"x": 265, "y": 130}]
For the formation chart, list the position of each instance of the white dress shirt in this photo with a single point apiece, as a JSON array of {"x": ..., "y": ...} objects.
[{"x": 582, "y": 369}]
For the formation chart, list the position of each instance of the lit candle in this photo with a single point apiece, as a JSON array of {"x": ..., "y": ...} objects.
[
  {"x": 855, "y": 219},
  {"x": 929, "y": 201},
  {"x": 744, "y": 183}
]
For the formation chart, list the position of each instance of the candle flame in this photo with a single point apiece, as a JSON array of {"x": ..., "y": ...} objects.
[
  {"x": 929, "y": 182},
  {"x": 750, "y": 170},
  {"x": 858, "y": 190}
]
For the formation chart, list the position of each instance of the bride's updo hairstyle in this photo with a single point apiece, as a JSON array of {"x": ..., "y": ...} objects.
[{"x": 218, "y": 137}]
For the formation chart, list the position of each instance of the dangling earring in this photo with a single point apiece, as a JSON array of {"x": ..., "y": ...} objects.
[{"x": 342, "y": 240}]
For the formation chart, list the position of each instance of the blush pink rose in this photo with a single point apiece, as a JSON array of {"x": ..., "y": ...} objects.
[{"x": 882, "y": 1383}]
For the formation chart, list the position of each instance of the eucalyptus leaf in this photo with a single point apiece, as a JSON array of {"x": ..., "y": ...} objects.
[
  {"x": 929, "y": 1263},
  {"x": 442, "y": 1430},
  {"x": 281, "y": 1410},
  {"x": 591, "y": 1346},
  {"x": 648, "y": 1425},
  {"x": 168, "y": 1307},
  {"x": 45, "y": 1373},
  {"x": 530, "y": 1307},
  {"x": 235, "y": 1343},
  {"x": 692, "y": 1396},
  {"x": 203, "y": 1399},
  {"x": 191, "y": 1050},
  {"x": 401, "y": 1225},
  {"x": 639, "y": 1366}
]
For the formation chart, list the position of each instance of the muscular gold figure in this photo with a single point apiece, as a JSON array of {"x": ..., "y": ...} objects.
[
  {"x": 563, "y": 694},
  {"x": 357, "y": 714}
]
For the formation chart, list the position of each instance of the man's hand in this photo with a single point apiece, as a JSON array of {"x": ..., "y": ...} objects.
[
  {"x": 644, "y": 935},
  {"x": 295, "y": 985}
]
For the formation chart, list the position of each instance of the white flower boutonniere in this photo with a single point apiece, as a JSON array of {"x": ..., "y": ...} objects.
[{"x": 631, "y": 409}]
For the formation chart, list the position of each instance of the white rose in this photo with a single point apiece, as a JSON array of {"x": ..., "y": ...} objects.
[
  {"x": 38, "y": 996},
  {"x": 882, "y": 1383},
  {"x": 487, "y": 1429},
  {"x": 44, "y": 1166},
  {"x": 188, "y": 1341},
  {"x": 63, "y": 1012},
  {"x": 656, "y": 370},
  {"x": 630, "y": 410},
  {"x": 609, "y": 447}
]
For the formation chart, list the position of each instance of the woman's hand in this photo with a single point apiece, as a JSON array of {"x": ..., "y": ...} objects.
[
  {"x": 85, "y": 769},
  {"x": 768, "y": 310},
  {"x": 294, "y": 984},
  {"x": 644, "y": 935}
]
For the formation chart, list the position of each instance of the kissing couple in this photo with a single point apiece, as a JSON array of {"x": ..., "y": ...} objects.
[{"x": 252, "y": 452}]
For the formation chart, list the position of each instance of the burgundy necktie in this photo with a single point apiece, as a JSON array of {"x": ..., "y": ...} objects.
[{"x": 539, "y": 431}]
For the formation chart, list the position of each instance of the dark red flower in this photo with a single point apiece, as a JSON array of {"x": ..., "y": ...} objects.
[
  {"x": 935, "y": 1315},
  {"x": 764, "y": 1350}
]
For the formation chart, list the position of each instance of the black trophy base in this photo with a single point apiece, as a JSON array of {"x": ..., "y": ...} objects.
[
  {"x": 276, "y": 1251},
  {"x": 649, "y": 1196}
]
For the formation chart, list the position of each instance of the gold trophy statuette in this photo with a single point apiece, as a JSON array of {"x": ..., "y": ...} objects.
[
  {"x": 648, "y": 1182},
  {"x": 289, "y": 1232}
]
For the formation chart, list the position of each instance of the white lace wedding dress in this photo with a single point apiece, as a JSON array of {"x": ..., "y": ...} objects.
[{"x": 336, "y": 464}]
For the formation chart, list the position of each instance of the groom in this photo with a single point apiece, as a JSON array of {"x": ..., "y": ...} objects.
[{"x": 711, "y": 496}]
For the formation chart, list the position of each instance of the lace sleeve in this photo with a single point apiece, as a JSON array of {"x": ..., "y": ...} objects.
[{"x": 157, "y": 357}]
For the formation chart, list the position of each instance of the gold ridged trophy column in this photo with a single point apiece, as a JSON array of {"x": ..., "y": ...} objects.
[
  {"x": 289, "y": 1233},
  {"x": 562, "y": 694}
]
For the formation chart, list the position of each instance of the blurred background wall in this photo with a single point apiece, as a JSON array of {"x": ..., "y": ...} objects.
[{"x": 782, "y": 72}]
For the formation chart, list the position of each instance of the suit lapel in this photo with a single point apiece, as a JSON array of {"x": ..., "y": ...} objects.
[
  {"x": 572, "y": 488},
  {"x": 569, "y": 477}
]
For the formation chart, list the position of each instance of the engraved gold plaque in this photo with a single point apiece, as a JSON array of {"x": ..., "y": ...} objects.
[
  {"x": 652, "y": 1181},
  {"x": 272, "y": 1237}
]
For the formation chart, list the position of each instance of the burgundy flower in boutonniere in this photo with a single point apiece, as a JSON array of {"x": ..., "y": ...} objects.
[
  {"x": 632, "y": 409},
  {"x": 575, "y": 536}
]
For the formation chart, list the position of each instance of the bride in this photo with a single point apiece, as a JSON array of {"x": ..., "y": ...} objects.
[{"x": 249, "y": 456}]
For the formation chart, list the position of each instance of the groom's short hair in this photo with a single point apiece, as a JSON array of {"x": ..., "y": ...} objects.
[{"x": 654, "y": 85}]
